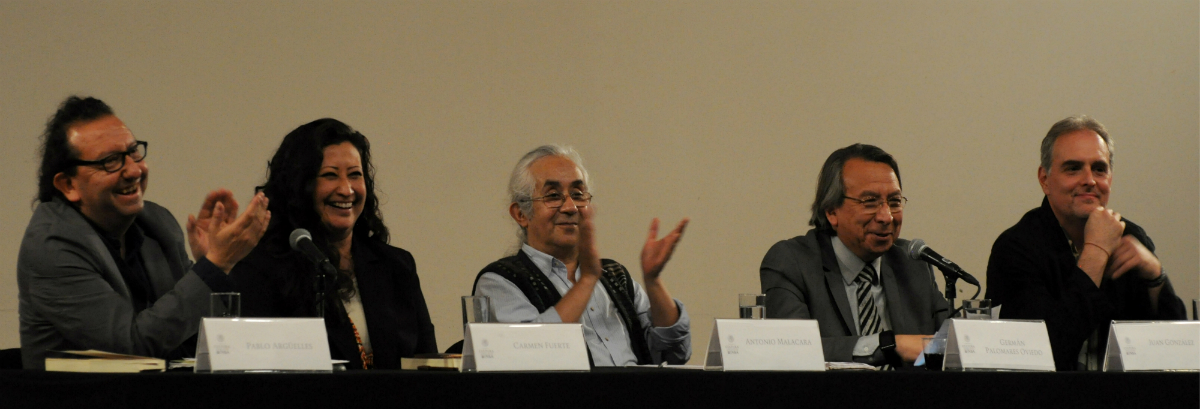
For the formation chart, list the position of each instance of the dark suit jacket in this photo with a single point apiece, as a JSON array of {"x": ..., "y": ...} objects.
[
  {"x": 801, "y": 279},
  {"x": 72, "y": 295},
  {"x": 397, "y": 318}
]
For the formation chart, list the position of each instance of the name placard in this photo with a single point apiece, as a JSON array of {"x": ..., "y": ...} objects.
[
  {"x": 765, "y": 345},
  {"x": 1153, "y": 346},
  {"x": 524, "y": 347},
  {"x": 998, "y": 345},
  {"x": 253, "y": 344}
]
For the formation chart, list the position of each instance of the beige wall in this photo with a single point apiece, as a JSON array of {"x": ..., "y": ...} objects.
[{"x": 719, "y": 111}]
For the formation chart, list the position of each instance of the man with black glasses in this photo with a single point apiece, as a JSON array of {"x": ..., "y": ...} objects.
[
  {"x": 557, "y": 275},
  {"x": 871, "y": 301},
  {"x": 100, "y": 267}
]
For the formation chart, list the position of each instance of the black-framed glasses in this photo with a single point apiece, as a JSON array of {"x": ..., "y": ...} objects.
[
  {"x": 556, "y": 200},
  {"x": 116, "y": 161},
  {"x": 872, "y": 205}
]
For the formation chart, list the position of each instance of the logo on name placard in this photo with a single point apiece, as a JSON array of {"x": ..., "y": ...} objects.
[
  {"x": 483, "y": 342},
  {"x": 730, "y": 347}
]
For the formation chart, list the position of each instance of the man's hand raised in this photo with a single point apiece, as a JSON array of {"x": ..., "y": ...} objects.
[
  {"x": 221, "y": 236},
  {"x": 656, "y": 252}
]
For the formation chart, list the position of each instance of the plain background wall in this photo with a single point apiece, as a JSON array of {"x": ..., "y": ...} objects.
[{"x": 722, "y": 111}]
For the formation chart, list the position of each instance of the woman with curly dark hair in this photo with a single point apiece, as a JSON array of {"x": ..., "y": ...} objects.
[{"x": 321, "y": 179}]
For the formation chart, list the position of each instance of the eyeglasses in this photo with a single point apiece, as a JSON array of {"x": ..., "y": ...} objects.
[
  {"x": 116, "y": 161},
  {"x": 872, "y": 205},
  {"x": 556, "y": 200}
]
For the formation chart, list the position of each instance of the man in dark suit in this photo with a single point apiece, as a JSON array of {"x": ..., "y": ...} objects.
[
  {"x": 872, "y": 303},
  {"x": 101, "y": 268}
]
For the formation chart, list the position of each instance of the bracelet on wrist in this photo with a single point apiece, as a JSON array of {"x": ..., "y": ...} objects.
[
  {"x": 1107, "y": 255},
  {"x": 1156, "y": 281}
]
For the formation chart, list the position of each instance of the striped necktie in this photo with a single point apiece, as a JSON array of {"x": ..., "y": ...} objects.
[{"x": 868, "y": 316}]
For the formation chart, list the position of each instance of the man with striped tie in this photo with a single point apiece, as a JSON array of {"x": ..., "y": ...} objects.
[{"x": 850, "y": 273}]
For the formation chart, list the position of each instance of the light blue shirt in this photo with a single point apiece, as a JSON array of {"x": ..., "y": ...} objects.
[
  {"x": 602, "y": 326},
  {"x": 851, "y": 265}
]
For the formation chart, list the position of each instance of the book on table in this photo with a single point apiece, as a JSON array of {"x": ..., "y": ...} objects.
[
  {"x": 100, "y": 361},
  {"x": 432, "y": 362}
]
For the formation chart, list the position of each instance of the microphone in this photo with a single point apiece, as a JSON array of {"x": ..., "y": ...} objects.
[
  {"x": 301, "y": 241},
  {"x": 917, "y": 250}
]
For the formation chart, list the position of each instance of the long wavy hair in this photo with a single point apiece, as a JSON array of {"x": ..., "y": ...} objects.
[{"x": 290, "y": 186}]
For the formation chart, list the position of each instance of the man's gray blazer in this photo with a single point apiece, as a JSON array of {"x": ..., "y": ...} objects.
[
  {"x": 801, "y": 279},
  {"x": 72, "y": 295}
]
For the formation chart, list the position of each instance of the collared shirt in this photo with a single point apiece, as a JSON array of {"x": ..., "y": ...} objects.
[
  {"x": 141, "y": 291},
  {"x": 851, "y": 266},
  {"x": 603, "y": 329}
]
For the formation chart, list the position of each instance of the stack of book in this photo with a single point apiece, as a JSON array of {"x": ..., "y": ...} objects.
[{"x": 100, "y": 361}]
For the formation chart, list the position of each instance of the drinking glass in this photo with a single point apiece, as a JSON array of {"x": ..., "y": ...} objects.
[
  {"x": 752, "y": 306},
  {"x": 977, "y": 309},
  {"x": 225, "y": 305},
  {"x": 477, "y": 309}
]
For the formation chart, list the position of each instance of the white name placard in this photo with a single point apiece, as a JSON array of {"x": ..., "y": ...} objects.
[
  {"x": 1153, "y": 346},
  {"x": 524, "y": 347},
  {"x": 998, "y": 345},
  {"x": 266, "y": 344},
  {"x": 765, "y": 345}
]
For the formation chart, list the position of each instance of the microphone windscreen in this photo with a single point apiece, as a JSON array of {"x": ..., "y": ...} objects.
[
  {"x": 915, "y": 248},
  {"x": 298, "y": 234}
]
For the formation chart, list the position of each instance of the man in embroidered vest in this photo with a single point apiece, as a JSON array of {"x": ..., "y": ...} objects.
[
  {"x": 871, "y": 301},
  {"x": 1073, "y": 262},
  {"x": 557, "y": 275},
  {"x": 102, "y": 268}
]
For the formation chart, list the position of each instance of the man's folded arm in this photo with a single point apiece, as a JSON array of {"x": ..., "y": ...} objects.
[{"x": 1070, "y": 316}]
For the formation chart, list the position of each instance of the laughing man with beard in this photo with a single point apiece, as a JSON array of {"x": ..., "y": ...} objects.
[{"x": 102, "y": 268}]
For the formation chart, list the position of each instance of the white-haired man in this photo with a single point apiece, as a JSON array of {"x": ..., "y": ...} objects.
[{"x": 558, "y": 276}]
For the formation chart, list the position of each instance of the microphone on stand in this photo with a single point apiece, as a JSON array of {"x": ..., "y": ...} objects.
[
  {"x": 917, "y": 250},
  {"x": 301, "y": 241}
]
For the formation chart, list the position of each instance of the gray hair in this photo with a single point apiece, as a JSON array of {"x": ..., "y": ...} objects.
[
  {"x": 1068, "y": 125},
  {"x": 831, "y": 188},
  {"x": 521, "y": 183}
]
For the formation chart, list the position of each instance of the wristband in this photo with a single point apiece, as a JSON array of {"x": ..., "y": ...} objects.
[
  {"x": 1156, "y": 281},
  {"x": 887, "y": 344},
  {"x": 1106, "y": 253}
]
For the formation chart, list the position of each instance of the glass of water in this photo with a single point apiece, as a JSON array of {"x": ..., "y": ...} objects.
[
  {"x": 752, "y": 306},
  {"x": 225, "y": 305},
  {"x": 477, "y": 309},
  {"x": 977, "y": 309}
]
